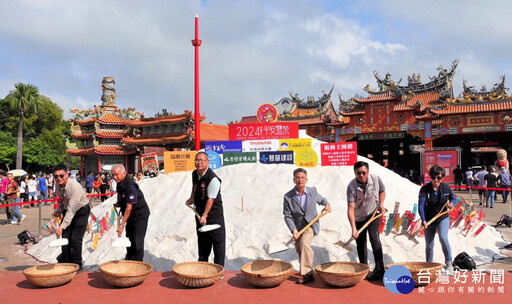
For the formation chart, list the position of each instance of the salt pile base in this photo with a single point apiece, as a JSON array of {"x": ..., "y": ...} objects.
[{"x": 171, "y": 235}]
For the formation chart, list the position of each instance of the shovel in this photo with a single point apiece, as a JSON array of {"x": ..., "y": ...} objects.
[
  {"x": 373, "y": 218},
  {"x": 407, "y": 241},
  {"x": 58, "y": 242},
  {"x": 205, "y": 228},
  {"x": 120, "y": 241},
  {"x": 287, "y": 245}
]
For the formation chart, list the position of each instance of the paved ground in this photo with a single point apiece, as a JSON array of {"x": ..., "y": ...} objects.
[
  {"x": 162, "y": 287},
  {"x": 18, "y": 260}
]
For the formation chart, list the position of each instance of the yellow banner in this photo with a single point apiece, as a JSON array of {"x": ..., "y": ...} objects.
[
  {"x": 294, "y": 144},
  {"x": 179, "y": 161},
  {"x": 306, "y": 158}
]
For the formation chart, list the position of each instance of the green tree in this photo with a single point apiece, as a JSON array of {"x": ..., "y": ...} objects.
[
  {"x": 46, "y": 150},
  {"x": 25, "y": 97},
  {"x": 7, "y": 149}
]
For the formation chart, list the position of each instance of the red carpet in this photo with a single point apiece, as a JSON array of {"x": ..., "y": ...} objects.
[{"x": 162, "y": 287}]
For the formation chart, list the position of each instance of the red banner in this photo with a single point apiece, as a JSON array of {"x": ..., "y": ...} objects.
[
  {"x": 280, "y": 130},
  {"x": 339, "y": 154},
  {"x": 447, "y": 159}
]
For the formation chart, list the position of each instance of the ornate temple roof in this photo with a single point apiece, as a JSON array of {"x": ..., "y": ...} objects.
[
  {"x": 208, "y": 132},
  {"x": 111, "y": 133},
  {"x": 474, "y": 108},
  {"x": 103, "y": 150},
  {"x": 111, "y": 119},
  {"x": 82, "y": 136},
  {"x": 186, "y": 117}
]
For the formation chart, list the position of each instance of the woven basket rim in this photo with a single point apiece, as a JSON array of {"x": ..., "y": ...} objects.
[
  {"x": 318, "y": 269},
  {"x": 147, "y": 272},
  {"x": 267, "y": 275},
  {"x": 43, "y": 275},
  {"x": 417, "y": 266},
  {"x": 199, "y": 276}
]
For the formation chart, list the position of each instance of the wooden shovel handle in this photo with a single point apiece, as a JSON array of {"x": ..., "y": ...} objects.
[
  {"x": 373, "y": 218},
  {"x": 195, "y": 212},
  {"x": 439, "y": 214},
  {"x": 312, "y": 222},
  {"x": 308, "y": 225}
]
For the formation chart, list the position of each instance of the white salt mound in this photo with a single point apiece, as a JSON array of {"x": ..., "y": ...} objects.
[{"x": 171, "y": 236}]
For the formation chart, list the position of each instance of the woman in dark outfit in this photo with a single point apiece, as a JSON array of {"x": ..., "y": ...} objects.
[{"x": 432, "y": 198}]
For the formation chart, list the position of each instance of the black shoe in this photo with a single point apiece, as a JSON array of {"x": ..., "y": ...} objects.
[
  {"x": 307, "y": 278},
  {"x": 376, "y": 274}
]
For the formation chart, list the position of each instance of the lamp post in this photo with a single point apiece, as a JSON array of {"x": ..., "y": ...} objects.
[{"x": 197, "y": 43}]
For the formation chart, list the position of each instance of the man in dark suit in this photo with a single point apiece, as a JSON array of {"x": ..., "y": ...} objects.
[{"x": 299, "y": 208}]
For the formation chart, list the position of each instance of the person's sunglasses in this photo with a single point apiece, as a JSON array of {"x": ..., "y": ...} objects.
[
  {"x": 59, "y": 176},
  {"x": 438, "y": 177},
  {"x": 361, "y": 172}
]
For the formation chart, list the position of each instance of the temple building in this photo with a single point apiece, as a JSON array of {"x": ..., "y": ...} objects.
[
  {"x": 395, "y": 122},
  {"x": 172, "y": 131},
  {"x": 108, "y": 135},
  {"x": 317, "y": 116},
  {"x": 99, "y": 132}
]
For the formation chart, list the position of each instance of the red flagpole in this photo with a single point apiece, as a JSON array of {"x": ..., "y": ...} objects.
[{"x": 197, "y": 43}]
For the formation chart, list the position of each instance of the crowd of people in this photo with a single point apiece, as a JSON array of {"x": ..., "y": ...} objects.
[{"x": 489, "y": 177}]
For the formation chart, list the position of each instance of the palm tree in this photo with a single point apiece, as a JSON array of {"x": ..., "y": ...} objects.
[{"x": 25, "y": 97}]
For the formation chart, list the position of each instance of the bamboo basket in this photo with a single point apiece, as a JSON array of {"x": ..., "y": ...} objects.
[
  {"x": 342, "y": 274},
  {"x": 416, "y": 267},
  {"x": 125, "y": 273},
  {"x": 267, "y": 273},
  {"x": 197, "y": 274},
  {"x": 51, "y": 275}
]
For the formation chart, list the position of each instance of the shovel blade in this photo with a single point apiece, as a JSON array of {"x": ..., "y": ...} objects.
[
  {"x": 206, "y": 228},
  {"x": 121, "y": 242},
  {"x": 406, "y": 241},
  {"x": 344, "y": 245},
  {"x": 58, "y": 243},
  {"x": 275, "y": 250}
]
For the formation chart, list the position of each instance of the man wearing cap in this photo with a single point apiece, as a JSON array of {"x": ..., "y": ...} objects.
[{"x": 74, "y": 206}]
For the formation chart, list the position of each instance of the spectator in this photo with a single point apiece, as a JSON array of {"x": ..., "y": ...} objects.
[
  {"x": 469, "y": 177},
  {"x": 458, "y": 176},
  {"x": 32, "y": 190},
  {"x": 491, "y": 181},
  {"x": 88, "y": 183},
  {"x": 504, "y": 179},
  {"x": 42, "y": 188}
]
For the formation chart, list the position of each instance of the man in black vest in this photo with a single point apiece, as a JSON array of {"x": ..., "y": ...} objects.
[
  {"x": 208, "y": 201},
  {"x": 135, "y": 212}
]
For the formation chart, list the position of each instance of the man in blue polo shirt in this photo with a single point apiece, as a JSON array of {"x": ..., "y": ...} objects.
[{"x": 41, "y": 187}]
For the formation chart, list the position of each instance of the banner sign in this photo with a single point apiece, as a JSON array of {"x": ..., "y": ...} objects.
[
  {"x": 280, "y": 130},
  {"x": 294, "y": 144},
  {"x": 277, "y": 157},
  {"x": 306, "y": 158},
  {"x": 149, "y": 163},
  {"x": 223, "y": 146},
  {"x": 386, "y": 135},
  {"x": 238, "y": 158},
  {"x": 260, "y": 145},
  {"x": 339, "y": 154},
  {"x": 178, "y": 161},
  {"x": 214, "y": 159},
  {"x": 447, "y": 159}
]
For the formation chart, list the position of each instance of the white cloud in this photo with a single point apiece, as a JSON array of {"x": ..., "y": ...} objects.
[{"x": 253, "y": 52}]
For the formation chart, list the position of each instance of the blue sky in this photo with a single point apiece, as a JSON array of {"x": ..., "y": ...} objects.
[{"x": 253, "y": 52}]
